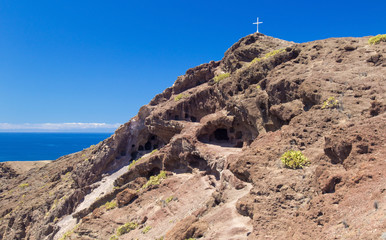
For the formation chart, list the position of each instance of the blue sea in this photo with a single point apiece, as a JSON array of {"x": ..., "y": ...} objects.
[{"x": 45, "y": 146}]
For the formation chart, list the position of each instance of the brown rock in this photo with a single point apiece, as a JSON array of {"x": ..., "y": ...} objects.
[
  {"x": 337, "y": 149},
  {"x": 287, "y": 111},
  {"x": 125, "y": 197},
  {"x": 197, "y": 230},
  {"x": 180, "y": 230}
]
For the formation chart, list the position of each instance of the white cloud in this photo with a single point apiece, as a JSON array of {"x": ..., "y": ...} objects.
[{"x": 57, "y": 127}]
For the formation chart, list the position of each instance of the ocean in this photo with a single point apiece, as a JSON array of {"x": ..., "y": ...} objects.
[{"x": 45, "y": 146}]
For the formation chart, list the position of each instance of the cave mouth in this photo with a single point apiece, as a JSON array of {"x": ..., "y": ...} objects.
[
  {"x": 223, "y": 137},
  {"x": 153, "y": 172},
  {"x": 221, "y": 134}
]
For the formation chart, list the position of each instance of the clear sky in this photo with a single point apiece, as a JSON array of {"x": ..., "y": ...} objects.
[{"x": 100, "y": 61}]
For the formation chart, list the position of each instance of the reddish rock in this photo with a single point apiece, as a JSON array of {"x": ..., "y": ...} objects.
[
  {"x": 125, "y": 197},
  {"x": 180, "y": 230},
  {"x": 287, "y": 111}
]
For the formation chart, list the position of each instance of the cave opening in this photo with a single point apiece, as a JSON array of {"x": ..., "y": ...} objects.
[
  {"x": 148, "y": 146},
  {"x": 221, "y": 134},
  {"x": 154, "y": 172},
  {"x": 239, "y": 144},
  {"x": 134, "y": 155},
  {"x": 239, "y": 135}
]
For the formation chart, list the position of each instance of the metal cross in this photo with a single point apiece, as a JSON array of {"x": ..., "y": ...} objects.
[{"x": 257, "y": 24}]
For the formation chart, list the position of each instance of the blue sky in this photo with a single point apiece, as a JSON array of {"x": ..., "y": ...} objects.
[{"x": 99, "y": 61}]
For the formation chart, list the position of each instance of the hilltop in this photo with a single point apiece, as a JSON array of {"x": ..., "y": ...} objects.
[{"x": 203, "y": 159}]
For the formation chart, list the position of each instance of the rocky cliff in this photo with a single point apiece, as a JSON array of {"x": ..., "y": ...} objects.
[{"x": 202, "y": 159}]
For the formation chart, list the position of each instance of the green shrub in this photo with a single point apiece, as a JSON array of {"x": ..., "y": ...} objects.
[
  {"x": 220, "y": 77},
  {"x": 154, "y": 151},
  {"x": 256, "y": 60},
  {"x": 146, "y": 229},
  {"x": 133, "y": 163},
  {"x": 179, "y": 97},
  {"x": 155, "y": 180},
  {"x": 267, "y": 55},
  {"x": 127, "y": 227},
  {"x": 23, "y": 185},
  {"x": 294, "y": 159},
  {"x": 274, "y": 52},
  {"x": 169, "y": 199},
  {"x": 114, "y": 237},
  {"x": 54, "y": 204},
  {"x": 110, "y": 205},
  {"x": 331, "y": 102},
  {"x": 377, "y": 39}
]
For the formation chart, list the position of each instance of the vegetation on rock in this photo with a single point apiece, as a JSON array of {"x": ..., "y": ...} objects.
[
  {"x": 110, "y": 205},
  {"x": 154, "y": 151},
  {"x": 23, "y": 185},
  {"x": 267, "y": 55},
  {"x": 220, "y": 77},
  {"x": 377, "y": 39},
  {"x": 179, "y": 97},
  {"x": 133, "y": 163},
  {"x": 169, "y": 199},
  {"x": 331, "y": 102},
  {"x": 256, "y": 59},
  {"x": 146, "y": 229},
  {"x": 294, "y": 159},
  {"x": 155, "y": 180},
  {"x": 274, "y": 52},
  {"x": 127, "y": 227}
]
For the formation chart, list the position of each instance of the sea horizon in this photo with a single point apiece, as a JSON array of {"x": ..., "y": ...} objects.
[{"x": 43, "y": 146}]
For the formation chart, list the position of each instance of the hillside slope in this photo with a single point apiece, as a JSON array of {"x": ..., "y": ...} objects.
[{"x": 206, "y": 155}]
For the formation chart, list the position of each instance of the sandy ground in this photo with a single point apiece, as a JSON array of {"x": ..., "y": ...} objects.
[{"x": 24, "y": 166}]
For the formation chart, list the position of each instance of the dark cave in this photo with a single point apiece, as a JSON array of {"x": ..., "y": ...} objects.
[{"x": 221, "y": 134}]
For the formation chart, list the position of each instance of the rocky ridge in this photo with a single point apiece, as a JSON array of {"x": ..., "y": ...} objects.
[{"x": 211, "y": 149}]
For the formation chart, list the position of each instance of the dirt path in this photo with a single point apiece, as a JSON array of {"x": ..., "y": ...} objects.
[{"x": 232, "y": 225}]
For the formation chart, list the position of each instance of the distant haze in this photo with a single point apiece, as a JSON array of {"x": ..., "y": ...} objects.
[{"x": 59, "y": 127}]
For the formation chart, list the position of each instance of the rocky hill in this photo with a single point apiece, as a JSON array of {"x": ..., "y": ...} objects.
[{"x": 203, "y": 159}]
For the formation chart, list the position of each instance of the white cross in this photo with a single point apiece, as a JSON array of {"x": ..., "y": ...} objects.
[{"x": 257, "y": 24}]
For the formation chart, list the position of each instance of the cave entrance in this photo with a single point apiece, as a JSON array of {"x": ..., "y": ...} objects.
[
  {"x": 221, "y": 134},
  {"x": 223, "y": 137}
]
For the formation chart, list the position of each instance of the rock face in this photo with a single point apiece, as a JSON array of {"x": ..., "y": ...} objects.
[{"x": 205, "y": 155}]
